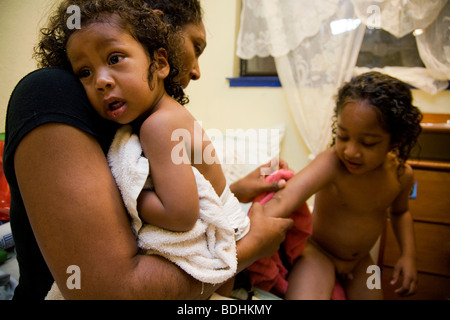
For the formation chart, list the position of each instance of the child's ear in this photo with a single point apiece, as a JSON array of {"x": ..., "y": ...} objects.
[
  {"x": 395, "y": 148},
  {"x": 162, "y": 63}
]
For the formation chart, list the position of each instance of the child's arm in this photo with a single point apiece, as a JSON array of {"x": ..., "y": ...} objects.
[
  {"x": 402, "y": 225},
  {"x": 303, "y": 185},
  {"x": 174, "y": 204}
]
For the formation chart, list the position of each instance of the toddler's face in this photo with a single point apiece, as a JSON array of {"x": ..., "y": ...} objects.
[
  {"x": 113, "y": 68},
  {"x": 361, "y": 143}
]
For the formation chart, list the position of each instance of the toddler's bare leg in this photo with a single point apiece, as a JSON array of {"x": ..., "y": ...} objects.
[
  {"x": 312, "y": 277},
  {"x": 356, "y": 285}
]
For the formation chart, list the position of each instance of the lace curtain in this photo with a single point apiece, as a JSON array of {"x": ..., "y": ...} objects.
[
  {"x": 434, "y": 45},
  {"x": 316, "y": 44}
]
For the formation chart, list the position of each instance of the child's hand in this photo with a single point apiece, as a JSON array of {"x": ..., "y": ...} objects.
[
  {"x": 406, "y": 268},
  {"x": 254, "y": 184}
]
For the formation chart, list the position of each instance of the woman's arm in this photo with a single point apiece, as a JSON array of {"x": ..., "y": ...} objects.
[{"x": 78, "y": 218}]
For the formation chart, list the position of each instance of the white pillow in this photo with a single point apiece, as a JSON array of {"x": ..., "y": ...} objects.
[{"x": 241, "y": 151}]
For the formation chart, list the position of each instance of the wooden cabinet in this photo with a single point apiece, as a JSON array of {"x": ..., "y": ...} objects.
[{"x": 431, "y": 213}]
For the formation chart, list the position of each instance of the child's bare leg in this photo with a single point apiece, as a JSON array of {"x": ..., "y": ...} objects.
[
  {"x": 356, "y": 284},
  {"x": 312, "y": 276}
]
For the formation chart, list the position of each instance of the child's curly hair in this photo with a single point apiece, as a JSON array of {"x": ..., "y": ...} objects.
[
  {"x": 393, "y": 100},
  {"x": 144, "y": 24}
]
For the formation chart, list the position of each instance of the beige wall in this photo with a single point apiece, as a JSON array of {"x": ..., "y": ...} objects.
[
  {"x": 212, "y": 100},
  {"x": 19, "y": 20}
]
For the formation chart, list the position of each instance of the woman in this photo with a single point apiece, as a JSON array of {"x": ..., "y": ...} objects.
[{"x": 66, "y": 211}]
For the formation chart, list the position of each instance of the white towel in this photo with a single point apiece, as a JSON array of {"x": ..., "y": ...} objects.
[
  {"x": 208, "y": 250},
  {"x": 130, "y": 170},
  {"x": 239, "y": 220}
]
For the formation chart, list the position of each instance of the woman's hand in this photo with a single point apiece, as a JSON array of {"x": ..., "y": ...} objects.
[
  {"x": 253, "y": 184},
  {"x": 264, "y": 238}
]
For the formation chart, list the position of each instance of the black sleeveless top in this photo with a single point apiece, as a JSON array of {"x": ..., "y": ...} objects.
[{"x": 43, "y": 96}]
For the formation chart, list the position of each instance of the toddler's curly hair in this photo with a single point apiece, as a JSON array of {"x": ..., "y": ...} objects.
[
  {"x": 393, "y": 100},
  {"x": 144, "y": 24}
]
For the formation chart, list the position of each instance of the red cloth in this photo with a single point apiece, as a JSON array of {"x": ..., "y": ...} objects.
[
  {"x": 5, "y": 194},
  {"x": 338, "y": 291},
  {"x": 270, "y": 274}
]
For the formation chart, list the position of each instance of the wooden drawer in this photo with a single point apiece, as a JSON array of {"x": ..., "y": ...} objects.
[
  {"x": 433, "y": 196},
  {"x": 432, "y": 146},
  {"x": 430, "y": 287},
  {"x": 433, "y": 248},
  {"x": 431, "y": 214}
]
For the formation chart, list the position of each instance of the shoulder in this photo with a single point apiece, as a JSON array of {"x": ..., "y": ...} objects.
[
  {"x": 329, "y": 159},
  {"x": 51, "y": 73},
  {"x": 404, "y": 172},
  {"x": 329, "y": 154},
  {"x": 406, "y": 176},
  {"x": 326, "y": 165},
  {"x": 49, "y": 86},
  {"x": 168, "y": 119},
  {"x": 43, "y": 93},
  {"x": 47, "y": 77},
  {"x": 53, "y": 95}
]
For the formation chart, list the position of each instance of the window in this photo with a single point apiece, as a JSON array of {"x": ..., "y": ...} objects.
[
  {"x": 378, "y": 49},
  {"x": 381, "y": 49},
  {"x": 256, "y": 72},
  {"x": 258, "y": 67}
]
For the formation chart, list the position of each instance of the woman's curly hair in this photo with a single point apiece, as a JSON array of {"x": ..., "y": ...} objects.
[
  {"x": 393, "y": 100},
  {"x": 144, "y": 24},
  {"x": 179, "y": 12}
]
